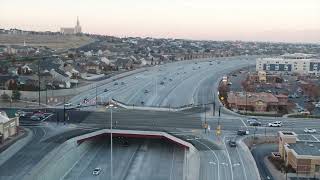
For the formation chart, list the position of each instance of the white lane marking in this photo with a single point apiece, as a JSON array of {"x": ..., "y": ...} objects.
[
  {"x": 244, "y": 171},
  {"x": 228, "y": 157},
  {"x": 172, "y": 163},
  {"x": 244, "y": 123},
  {"x": 315, "y": 137},
  {"x": 74, "y": 164},
  {"x": 215, "y": 155}
]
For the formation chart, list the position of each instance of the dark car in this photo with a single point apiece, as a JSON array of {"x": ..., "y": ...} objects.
[
  {"x": 105, "y": 90},
  {"x": 255, "y": 123},
  {"x": 242, "y": 132},
  {"x": 232, "y": 143},
  {"x": 116, "y": 83}
]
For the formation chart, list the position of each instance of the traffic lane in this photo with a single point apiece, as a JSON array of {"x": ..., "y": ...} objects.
[
  {"x": 208, "y": 166},
  {"x": 21, "y": 162},
  {"x": 259, "y": 152},
  {"x": 237, "y": 165}
]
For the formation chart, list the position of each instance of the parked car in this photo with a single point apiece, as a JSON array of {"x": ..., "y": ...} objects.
[
  {"x": 317, "y": 105},
  {"x": 310, "y": 130},
  {"x": 305, "y": 113},
  {"x": 116, "y": 83},
  {"x": 37, "y": 117},
  {"x": 162, "y": 83},
  {"x": 232, "y": 143},
  {"x": 105, "y": 90},
  {"x": 20, "y": 113},
  {"x": 242, "y": 132},
  {"x": 122, "y": 83},
  {"x": 275, "y": 124},
  {"x": 79, "y": 105},
  {"x": 96, "y": 171},
  {"x": 146, "y": 91}
]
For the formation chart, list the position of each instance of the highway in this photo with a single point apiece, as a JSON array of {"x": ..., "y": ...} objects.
[
  {"x": 142, "y": 159},
  {"x": 169, "y": 85}
]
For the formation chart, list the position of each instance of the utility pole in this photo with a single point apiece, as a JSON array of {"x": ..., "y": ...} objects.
[
  {"x": 39, "y": 88},
  {"x": 214, "y": 104},
  {"x": 46, "y": 95},
  {"x": 64, "y": 110},
  {"x": 96, "y": 94}
]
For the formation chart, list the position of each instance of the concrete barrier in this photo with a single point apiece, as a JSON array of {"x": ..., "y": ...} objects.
[
  {"x": 148, "y": 108},
  {"x": 58, "y": 163}
]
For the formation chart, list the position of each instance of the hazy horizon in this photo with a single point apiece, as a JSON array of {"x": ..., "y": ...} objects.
[{"x": 246, "y": 20}]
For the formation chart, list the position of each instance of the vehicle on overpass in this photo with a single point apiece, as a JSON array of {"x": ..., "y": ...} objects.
[
  {"x": 242, "y": 132},
  {"x": 275, "y": 124},
  {"x": 310, "y": 130},
  {"x": 255, "y": 123}
]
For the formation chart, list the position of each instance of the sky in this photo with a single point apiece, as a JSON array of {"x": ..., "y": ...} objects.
[{"x": 247, "y": 20}]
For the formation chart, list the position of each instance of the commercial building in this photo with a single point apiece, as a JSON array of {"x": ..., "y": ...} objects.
[
  {"x": 304, "y": 64},
  {"x": 302, "y": 155},
  {"x": 256, "y": 102},
  {"x": 8, "y": 126},
  {"x": 70, "y": 30}
]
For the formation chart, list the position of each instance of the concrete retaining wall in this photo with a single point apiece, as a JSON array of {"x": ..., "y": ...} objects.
[
  {"x": 58, "y": 162},
  {"x": 61, "y": 160},
  {"x": 191, "y": 165}
]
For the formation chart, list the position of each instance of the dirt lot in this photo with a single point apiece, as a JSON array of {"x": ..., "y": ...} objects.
[{"x": 57, "y": 42}]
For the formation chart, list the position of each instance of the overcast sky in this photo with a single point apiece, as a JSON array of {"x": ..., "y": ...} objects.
[{"x": 253, "y": 20}]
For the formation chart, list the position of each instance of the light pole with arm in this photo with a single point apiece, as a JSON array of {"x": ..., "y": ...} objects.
[{"x": 111, "y": 153}]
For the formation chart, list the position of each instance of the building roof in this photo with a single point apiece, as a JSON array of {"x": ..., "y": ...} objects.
[
  {"x": 3, "y": 117},
  {"x": 243, "y": 99},
  {"x": 306, "y": 148}
]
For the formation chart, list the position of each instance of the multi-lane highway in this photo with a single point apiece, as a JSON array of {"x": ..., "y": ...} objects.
[{"x": 169, "y": 85}]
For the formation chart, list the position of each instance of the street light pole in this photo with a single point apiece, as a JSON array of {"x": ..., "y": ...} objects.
[{"x": 111, "y": 169}]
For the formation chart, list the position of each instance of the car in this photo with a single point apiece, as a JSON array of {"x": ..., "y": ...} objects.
[
  {"x": 20, "y": 113},
  {"x": 317, "y": 105},
  {"x": 242, "y": 132},
  {"x": 232, "y": 143},
  {"x": 79, "y": 105},
  {"x": 229, "y": 83},
  {"x": 105, "y": 90},
  {"x": 251, "y": 119},
  {"x": 146, "y": 91},
  {"x": 68, "y": 104},
  {"x": 35, "y": 118},
  {"x": 170, "y": 79},
  {"x": 116, "y": 83},
  {"x": 122, "y": 83},
  {"x": 275, "y": 124},
  {"x": 305, "y": 113},
  {"x": 142, "y": 102},
  {"x": 162, "y": 83},
  {"x": 96, "y": 171},
  {"x": 255, "y": 123},
  {"x": 310, "y": 130},
  {"x": 210, "y": 64}
]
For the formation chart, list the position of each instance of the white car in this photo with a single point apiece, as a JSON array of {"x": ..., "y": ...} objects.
[
  {"x": 317, "y": 105},
  {"x": 96, "y": 171},
  {"x": 275, "y": 124},
  {"x": 310, "y": 130},
  {"x": 67, "y": 104}
]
